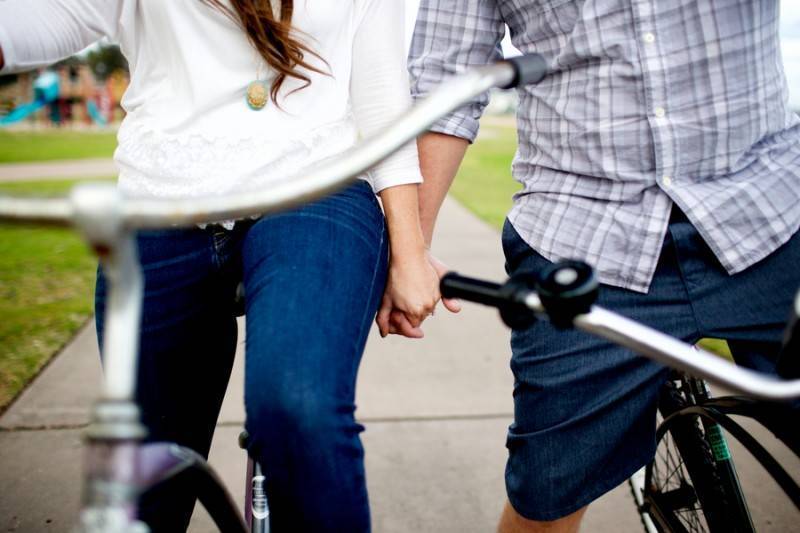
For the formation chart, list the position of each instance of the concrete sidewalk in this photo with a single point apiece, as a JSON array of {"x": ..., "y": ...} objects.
[
  {"x": 436, "y": 413},
  {"x": 79, "y": 168}
]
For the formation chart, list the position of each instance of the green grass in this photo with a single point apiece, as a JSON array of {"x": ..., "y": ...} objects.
[
  {"x": 484, "y": 184},
  {"x": 19, "y": 147},
  {"x": 717, "y": 346},
  {"x": 46, "y": 284}
]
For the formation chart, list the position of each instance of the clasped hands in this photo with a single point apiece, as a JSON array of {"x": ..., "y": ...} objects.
[{"x": 411, "y": 295}]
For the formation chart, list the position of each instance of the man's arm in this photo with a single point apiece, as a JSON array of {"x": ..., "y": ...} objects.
[
  {"x": 2, "y": 60},
  {"x": 450, "y": 37},
  {"x": 440, "y": 155}
]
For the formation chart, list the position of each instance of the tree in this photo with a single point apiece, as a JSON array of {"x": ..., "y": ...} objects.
[
  {"x": 8, "y": 79},
  {"x": 105, "y": 60}
]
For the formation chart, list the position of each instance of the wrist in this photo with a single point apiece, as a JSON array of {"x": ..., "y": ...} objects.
[{"x": 409, "y": 249}]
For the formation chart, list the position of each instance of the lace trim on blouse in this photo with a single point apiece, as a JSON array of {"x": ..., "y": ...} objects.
[{"x": 156, "y": 164}]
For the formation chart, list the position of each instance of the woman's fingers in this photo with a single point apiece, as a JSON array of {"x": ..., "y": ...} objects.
[
  {"x": 383, "y": 316},
  {"x": 403, "y": 326},
  {"x": 416, "y": 314},
  {"x": 414, "y": 318},
  {"x": 392, "y": 321}
]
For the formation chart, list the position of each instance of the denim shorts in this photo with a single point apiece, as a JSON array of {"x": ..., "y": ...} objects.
[{"x": 584, "y": 409}]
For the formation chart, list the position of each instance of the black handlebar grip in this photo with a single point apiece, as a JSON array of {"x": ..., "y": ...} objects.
[
  {"x": 507, "y": 298},
  {"x": 473, "y": 290},
  {"x": 528, "y": 69}
]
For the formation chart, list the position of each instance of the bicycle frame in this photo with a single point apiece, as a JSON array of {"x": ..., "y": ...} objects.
[
  {"x": 119, "y": 466},
  {"x": 565, "y": 293}
]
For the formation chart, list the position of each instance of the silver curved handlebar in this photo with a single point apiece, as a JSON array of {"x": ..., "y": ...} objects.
[{"x": 304, "y": 187}]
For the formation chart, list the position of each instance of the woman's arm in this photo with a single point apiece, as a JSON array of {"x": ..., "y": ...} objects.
[
  {"x": 36, "y": 33},
  {"x": 379, "y": 94},
  {"x": 412, "y": 288}
]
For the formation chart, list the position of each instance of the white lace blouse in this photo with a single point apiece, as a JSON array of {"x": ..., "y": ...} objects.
[{"x": 188, "y": 129}]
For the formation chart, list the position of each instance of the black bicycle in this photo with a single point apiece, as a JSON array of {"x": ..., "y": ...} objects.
[{"x": 691, "y": 484}]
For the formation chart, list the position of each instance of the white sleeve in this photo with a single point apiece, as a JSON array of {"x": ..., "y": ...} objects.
[
  {"x": 379, "y": 87},
  {"x": 36, "y": 33}
]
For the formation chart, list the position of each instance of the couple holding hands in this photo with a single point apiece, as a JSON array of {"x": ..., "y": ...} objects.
[{"x": 660, "y": 149}]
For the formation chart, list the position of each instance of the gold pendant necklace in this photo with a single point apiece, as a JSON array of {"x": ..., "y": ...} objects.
[
  {"x": 257, "y": 95},
  {"x": 257, "y": 91}
]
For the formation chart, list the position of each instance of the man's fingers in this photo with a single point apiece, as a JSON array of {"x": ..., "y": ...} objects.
[{"x": 452, "y": 305}]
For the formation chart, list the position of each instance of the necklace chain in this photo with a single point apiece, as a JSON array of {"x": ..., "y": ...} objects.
[{"x": 257, "y": 93}]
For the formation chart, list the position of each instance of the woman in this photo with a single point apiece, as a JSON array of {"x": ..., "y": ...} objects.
[{"x": 237, "y": 96}]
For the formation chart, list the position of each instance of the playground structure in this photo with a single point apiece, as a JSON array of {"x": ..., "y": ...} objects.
[{"x": 68, "y": 95}]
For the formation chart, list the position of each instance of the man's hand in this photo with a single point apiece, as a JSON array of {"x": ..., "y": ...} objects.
[{"x": 454, "y": 306}]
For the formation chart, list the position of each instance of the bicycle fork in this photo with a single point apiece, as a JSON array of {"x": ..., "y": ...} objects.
[
  {"x": 726, "y": 470},
  {"x": 113, "y": 439},
  {"x": 256, "y": 506}
]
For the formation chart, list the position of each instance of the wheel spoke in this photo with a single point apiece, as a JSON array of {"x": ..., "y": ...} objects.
[{"x": 670, "y": 488}]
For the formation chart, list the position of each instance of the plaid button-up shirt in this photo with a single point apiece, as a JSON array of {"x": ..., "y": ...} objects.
[{"x": 648, "y": 103}]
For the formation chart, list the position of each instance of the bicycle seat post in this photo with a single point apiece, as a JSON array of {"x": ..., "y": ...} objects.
[{"x": 115, "y": 433}]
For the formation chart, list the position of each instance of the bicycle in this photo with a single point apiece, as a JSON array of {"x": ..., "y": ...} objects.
[
  {"x": 119, "y": 466},
  {"x": 691, "y": 485}
]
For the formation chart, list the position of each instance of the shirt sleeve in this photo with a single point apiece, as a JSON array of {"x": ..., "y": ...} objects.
[
  {"x": 379, "y": 87},
  {"x": 450, "y": 37},
  {"x": 36, "y": 33}
]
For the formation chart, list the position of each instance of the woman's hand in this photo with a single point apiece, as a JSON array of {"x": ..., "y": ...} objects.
[{"x": 412, "y": 292}]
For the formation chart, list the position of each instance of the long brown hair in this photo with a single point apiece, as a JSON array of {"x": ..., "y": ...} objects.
[{"x": 272, "y": 38}]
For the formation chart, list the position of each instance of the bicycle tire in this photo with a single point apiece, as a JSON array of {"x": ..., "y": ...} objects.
[
  {"x": 684, "y": 490},
  {"x": 193, "y": 473}
]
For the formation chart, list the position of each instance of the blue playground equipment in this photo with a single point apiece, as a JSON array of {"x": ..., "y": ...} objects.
[
  {"x": 95, "y": 114},
  {"x": 46, "y": 90}
]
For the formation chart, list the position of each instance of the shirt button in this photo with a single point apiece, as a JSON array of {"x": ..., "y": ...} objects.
[
  {"x": 659, "y": 112},
  {"x": 649, "y": 38},
  {"x": 666, "y": 181}
]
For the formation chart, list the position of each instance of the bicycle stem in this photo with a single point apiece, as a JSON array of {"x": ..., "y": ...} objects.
[
  {"x": 111, "y": 492},
  {"x": 123, "y": 315}
]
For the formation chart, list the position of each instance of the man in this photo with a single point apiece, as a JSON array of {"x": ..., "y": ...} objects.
[{"x": 661, "y": 150}]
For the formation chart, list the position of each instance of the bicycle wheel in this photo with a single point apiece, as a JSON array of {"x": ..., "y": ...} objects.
[{"x": 691, "y": 485}]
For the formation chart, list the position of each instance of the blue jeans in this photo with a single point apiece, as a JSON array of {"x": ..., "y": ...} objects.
[
  {"x": 584, "y": 409},
  {"x": 313, "y": 280}
]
